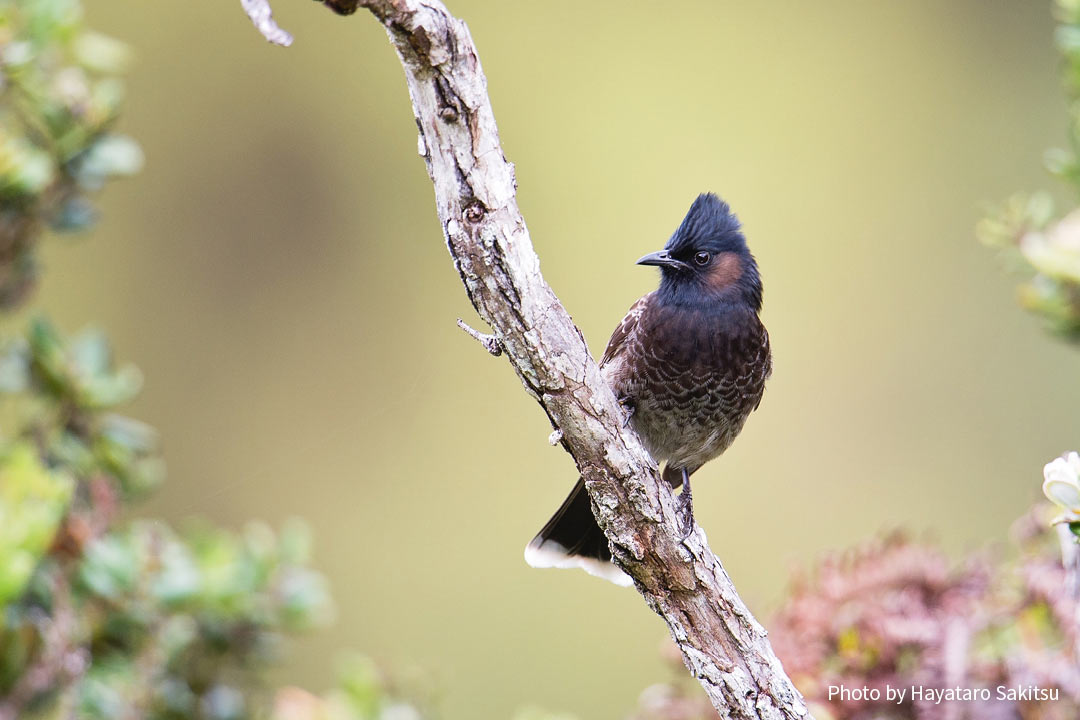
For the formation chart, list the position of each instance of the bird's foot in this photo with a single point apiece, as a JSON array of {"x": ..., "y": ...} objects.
[
  {"x": 628, "y": 405},
  {"x": 684, "y": 507}
]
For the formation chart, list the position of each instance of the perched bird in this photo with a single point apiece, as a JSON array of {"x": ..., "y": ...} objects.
[{"x": 688, "y": 363}]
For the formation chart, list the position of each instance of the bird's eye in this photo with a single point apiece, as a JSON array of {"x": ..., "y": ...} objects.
[{"x": 702, "y": 258}]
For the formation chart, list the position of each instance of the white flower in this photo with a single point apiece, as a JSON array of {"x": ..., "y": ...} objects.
[
  {"x": 1055, "y": 252},
  {"x": 1061, "y": 482}
]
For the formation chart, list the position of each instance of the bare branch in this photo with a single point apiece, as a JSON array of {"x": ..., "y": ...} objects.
[
  {"x": 722, "y": 644},
  {"x": 260, "y": 14}
]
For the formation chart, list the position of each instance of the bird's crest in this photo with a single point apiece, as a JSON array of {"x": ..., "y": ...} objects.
[{"x": 708, "y": 224}]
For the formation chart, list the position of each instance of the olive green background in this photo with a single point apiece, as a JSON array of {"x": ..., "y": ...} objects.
[{"x": 278, "y": 273}]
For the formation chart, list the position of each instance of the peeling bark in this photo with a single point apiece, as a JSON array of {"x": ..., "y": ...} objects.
[{"x": 723, "y": 646}]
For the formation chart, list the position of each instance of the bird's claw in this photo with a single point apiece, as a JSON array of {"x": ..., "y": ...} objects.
[
  {"x": 685, "y": 516},
  {"x": 628, "y": 406},
  {"x": 684, "y": 508}
]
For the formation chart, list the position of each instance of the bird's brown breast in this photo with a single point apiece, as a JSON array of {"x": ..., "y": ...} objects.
[{"x": 691, "y": 376}]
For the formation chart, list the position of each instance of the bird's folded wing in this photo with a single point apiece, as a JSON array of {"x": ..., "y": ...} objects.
[{"x": 625, "y": 328}]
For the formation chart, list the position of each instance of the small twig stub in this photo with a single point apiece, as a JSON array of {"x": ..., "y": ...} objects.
[
  {"x": 263, "y": 17},
  {"x": 490, "y": 342}
]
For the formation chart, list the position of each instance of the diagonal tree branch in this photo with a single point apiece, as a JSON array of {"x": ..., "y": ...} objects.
[{"x": 723, "y": 646}]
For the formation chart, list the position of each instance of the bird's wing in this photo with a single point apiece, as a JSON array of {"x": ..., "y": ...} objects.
[
  {"x": 763, "y": 364},
  {"x": 618, "y": 338}
]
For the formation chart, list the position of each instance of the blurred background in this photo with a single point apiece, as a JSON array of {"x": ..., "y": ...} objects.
[{"x": 278, "y": 274}]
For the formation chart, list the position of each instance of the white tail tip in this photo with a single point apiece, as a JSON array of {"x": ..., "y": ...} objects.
[{"x": 542, "y": 553}]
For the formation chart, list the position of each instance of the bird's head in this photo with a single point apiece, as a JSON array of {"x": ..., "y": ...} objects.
[{"x": 707, "y": 258}]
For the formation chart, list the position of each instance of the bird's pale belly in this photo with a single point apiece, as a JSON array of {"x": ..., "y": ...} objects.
[{"x": 686, "y": 432}]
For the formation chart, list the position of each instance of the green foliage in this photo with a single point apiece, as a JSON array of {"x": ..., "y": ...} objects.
[
  {"x": 62, "y": 393},
  {"x": 103, "y": 618},
  {"x": 33, "y": 501},
  {"x": 60, "y": 95},
  {"x": 1031, "y": 236},
  {"x": 183, "y": 622},
  {"x": 162, "y": 624}
]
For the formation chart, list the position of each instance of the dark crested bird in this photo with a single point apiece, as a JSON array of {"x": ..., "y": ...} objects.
[{"x": 688, "y": 363}]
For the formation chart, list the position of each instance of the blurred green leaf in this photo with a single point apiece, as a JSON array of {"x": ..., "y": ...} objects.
[
  {"x": 101, "y": 53},
  {"x": 110, "y": 567},
  {"x": 33, "y": 501}
]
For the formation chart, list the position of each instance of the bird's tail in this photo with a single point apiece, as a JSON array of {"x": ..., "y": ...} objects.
[{"x": 572, "y": 539}]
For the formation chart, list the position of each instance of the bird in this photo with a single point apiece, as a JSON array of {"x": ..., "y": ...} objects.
[{"x": 688, "y": 364}]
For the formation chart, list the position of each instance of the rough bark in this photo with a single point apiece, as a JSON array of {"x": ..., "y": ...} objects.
[{"x": 723, "y": 646}]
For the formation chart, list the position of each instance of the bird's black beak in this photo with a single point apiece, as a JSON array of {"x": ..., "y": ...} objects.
[{"x": 662, "y": 259}]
